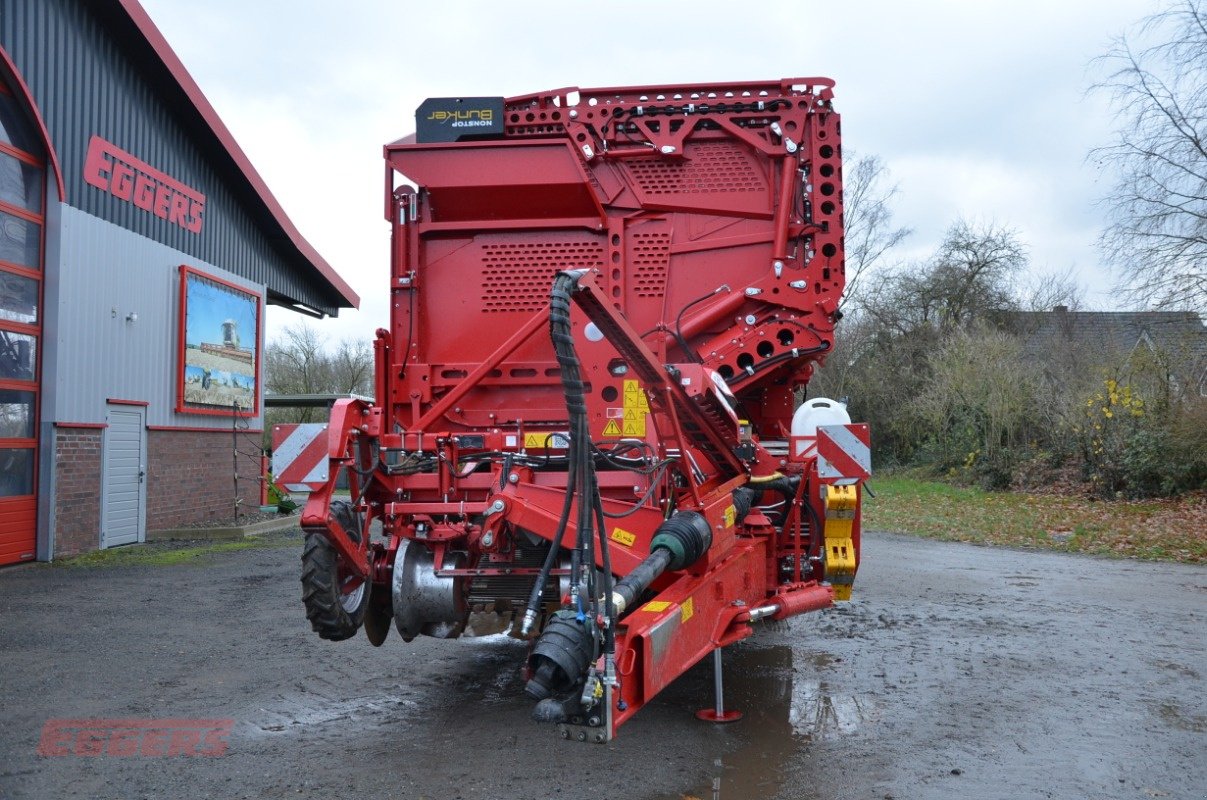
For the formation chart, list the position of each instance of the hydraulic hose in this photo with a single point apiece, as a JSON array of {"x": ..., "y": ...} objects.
[
  {"x": 606, "y": 564},
  {"x": 744, "y": 496},
  {"x": 542, "y": 578},
  {"x": 581, "y": 479}
]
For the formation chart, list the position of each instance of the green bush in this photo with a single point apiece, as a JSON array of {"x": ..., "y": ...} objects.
[{"x": 1132, "y": 450}]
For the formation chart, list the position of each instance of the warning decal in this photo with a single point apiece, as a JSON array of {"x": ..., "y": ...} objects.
[
  {"x": 623, "y": 537},
  {"x": 555, "y": 440},
  {"x": 635, "y": 409},
  {"x": 630, "y": 419}
]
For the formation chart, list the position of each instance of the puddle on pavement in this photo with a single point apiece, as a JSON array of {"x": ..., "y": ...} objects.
[
  {"x": 790, "y": 702},
  {"x": 788, "y": 705}
]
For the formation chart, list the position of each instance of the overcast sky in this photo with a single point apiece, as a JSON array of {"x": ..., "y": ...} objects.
[{"x": 978, "y": 107}]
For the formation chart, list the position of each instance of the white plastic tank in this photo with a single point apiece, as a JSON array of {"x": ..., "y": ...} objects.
[{"x": 816, "y": 412}]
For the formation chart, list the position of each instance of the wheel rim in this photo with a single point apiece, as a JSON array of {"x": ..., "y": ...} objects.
[{"x": 351, "y": 600}]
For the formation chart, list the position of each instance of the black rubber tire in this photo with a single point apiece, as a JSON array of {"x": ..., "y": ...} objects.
[{"x": 326, "y": 607}]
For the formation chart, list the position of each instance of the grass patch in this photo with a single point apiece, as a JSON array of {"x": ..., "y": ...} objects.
[
  {"x": 1168, "y": 529},
  {"x": 168, "y": 554}
]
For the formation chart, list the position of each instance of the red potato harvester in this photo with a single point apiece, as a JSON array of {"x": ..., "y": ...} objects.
[{"x": 603, "y": 305}]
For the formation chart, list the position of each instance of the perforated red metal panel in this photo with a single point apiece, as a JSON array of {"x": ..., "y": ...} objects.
[
  {"x": 715, "y": 167},
  {"x": 516, "y": 276},
  {"x": 649, "y": 259}
]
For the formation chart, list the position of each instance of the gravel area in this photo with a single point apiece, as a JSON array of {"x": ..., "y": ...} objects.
[{"x": 958, "y": 671}]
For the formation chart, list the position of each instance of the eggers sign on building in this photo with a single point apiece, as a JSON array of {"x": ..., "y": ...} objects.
[{"x": 113, "y": 170}]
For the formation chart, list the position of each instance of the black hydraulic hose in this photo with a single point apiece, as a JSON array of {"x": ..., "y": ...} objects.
[
  {"x": 787, "y": 355},
  {"x": 582, "y": 462},
  {"x": 744, "y": 496},
  {"x": 586, "y": 510},
  {"x": 655, "y": 482},
  {"x": 586, "y": 538},
  {"x": 689, "y": 353},
  {"x": 815, "y": 529},
  {"x": 555, "y": 547},
  {"x": 606, "y": 565}
]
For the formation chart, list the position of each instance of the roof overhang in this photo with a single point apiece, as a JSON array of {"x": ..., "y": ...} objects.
[{"x": 176, "y": 70}]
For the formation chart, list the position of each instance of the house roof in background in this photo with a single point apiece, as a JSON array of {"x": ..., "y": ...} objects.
[{"x": 1115, "y": 334}]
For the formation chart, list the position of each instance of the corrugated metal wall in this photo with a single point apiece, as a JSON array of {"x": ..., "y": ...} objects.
[
  {"x": 85, "y": 76},
  {"x": 95, "y": 352}
]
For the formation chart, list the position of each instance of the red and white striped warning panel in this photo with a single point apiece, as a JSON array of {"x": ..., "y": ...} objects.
[
  {"x": 299, "y": 456},
  {"x": 844, "y": 453}
]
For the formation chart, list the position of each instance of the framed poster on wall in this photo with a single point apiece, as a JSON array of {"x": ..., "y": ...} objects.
[{"x": 218, "y": 369}]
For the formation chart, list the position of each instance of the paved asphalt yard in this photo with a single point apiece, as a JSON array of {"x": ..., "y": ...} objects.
[{"x": 957, "y": 672}]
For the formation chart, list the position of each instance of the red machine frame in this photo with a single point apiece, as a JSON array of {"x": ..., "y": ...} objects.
[{"x": 708, "y": 216}]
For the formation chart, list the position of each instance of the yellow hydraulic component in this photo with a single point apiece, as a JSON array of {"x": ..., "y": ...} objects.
[{"x": 841, "y": 502}]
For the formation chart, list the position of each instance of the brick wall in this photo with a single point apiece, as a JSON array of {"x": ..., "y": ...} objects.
[
  {"x": 77, "y": 490},
  {"x": 190, "y": 477}
]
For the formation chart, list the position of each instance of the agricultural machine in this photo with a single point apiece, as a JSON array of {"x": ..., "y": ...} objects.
[{"x": 604, "y": 306}]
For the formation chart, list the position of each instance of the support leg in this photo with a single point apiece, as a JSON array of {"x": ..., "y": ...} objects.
[{"x": 718, "y": 714}]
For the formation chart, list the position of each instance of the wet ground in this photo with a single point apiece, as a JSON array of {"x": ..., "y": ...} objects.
[{"x": 958, "y": 671}]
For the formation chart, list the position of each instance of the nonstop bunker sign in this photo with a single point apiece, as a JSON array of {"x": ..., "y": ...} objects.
[{"x": 450, "y": 119}]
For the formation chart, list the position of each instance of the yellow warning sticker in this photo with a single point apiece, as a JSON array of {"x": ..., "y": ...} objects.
[
  {"x": 630, "y": 420},
  {"x": 686, "y": 610},
  {"x": 731, "y": 516},
  {"x": 546, "y": 439},
  {"x": 655, "y": 606},
  {"x": 623, "y": 537}
]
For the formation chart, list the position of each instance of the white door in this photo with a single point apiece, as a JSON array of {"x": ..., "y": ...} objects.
[{"x": 123, "y": 513}]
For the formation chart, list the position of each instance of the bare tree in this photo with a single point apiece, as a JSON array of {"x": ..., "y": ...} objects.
[
  {"x": 299, "y": 363},
  {"x": 971, "y": 275},
  {"x": 352, "y": 368},
  {"x": 295, "y": 364},
  {"x": 1157, "y": 238},
  {"x": 1047, "y": 291},
  {"x": 867, "y": 220}
]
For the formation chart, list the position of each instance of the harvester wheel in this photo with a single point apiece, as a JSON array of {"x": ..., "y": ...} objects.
[{"x": 335, "y": 612}]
